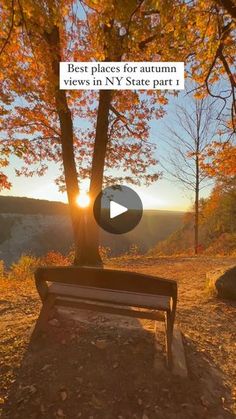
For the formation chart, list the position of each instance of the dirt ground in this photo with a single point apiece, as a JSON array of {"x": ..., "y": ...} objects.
[{"x": 93, "y": 366}]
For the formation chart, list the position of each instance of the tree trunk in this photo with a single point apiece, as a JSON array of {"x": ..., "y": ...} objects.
[
  {"x": 229, "y": 6},
  {"x": 196, "y": 221},
  {"x": 66, "y": 127},
  {"x": 90, "y": 253},
  {"x": 84, "y": 224}
]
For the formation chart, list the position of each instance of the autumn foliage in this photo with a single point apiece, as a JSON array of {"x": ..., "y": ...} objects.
[
  {"x": 219, "y": 160},
  {"x": 217, "y": 229}
]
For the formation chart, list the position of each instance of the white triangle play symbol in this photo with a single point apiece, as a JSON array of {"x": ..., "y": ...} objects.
[{"x": 116, "y": 209}]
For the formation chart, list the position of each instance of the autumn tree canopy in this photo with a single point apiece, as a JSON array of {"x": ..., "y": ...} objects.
[{"x": 87, "y": 38}]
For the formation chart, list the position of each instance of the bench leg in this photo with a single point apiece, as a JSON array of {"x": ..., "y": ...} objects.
[
  {"x": 43, "y": 316},
  {"x": 169, "y": 336}
]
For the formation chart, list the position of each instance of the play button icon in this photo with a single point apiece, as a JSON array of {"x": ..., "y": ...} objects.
[{"x": 118, "y": 209}]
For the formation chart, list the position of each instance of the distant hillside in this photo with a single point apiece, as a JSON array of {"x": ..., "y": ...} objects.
[
  {"x": 217, "y": 226},
  {"x": 154, "y": 226},
  {"x": 19, "y": 205},
  {"x": 38, "y": 226}
]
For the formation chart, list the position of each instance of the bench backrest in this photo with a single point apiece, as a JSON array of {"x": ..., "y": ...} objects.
[{"x": 108, "y": 278}]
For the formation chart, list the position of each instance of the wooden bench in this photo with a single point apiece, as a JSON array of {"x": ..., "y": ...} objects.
[{"x": 111, "y": 291}]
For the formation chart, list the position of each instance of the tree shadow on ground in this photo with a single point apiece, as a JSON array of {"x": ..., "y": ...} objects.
[{"x": 101, "y": 371}]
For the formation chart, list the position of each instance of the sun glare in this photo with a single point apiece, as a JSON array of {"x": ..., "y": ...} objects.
[{"x": 83, "y": 200}]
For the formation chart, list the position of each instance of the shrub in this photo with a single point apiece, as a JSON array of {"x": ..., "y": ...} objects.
[
  {"x": 2, "y": 270},
  {"x": 71, "y": 256},
  {"x": 133, "y": 250},
  {"x": 24, "y": 268},
  {"x": 105, "y": 252},
  {"x": 55, "y": 259},
  {"x": 224, "y": 245}
]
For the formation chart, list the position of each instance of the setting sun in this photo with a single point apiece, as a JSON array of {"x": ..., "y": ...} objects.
[{"x": 83, "y": 200}]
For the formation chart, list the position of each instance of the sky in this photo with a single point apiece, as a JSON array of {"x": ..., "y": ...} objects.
[{"x": 165, "y": 194}]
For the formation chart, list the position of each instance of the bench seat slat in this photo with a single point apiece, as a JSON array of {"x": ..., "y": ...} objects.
[
  {"x": 131, "y": 299},
  {"x": 112, "y": 309}
]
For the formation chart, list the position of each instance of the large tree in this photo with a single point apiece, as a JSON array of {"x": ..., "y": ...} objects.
[{"x": 44, "y": 121}]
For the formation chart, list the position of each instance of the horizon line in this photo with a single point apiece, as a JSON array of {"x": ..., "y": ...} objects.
[{"x": 66, "y": 203}]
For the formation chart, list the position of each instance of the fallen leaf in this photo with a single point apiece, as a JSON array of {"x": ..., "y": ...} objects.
[
  {"x": 96, "y": 402},
  {"x": 116, "y": 365},
  {"x": 46, "y": 366},
  {"x": 32, "y": 389},
  {"x": 101, "y": 344},
  {"x": 60, "y": 413},
  {"x": 204, "y": 401},
  {"x": 63, "y": 394}
]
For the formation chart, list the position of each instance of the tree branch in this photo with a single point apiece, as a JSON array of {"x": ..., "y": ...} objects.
[
  {"x": 10, "y": 29},
  {"x": 229, "y": 6}
]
